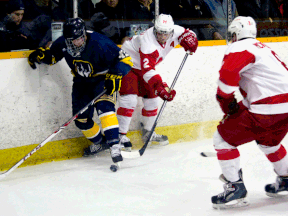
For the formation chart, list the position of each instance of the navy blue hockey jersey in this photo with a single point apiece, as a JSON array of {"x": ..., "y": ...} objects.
[{"x": 99, "y": 56}]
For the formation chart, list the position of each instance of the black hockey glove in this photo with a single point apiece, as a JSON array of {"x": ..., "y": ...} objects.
[
  {"x": 112, "y": 83},
  {"x": 36, "y": 57}
]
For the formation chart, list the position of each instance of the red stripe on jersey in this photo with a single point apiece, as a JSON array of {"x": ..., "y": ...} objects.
[
  {"x": 227, "y": 154},
  {"x": 233, "y": 63},
  {"x": 278, "y": 155},
  {"x": 149, "y": 113},
  {"x": 277, "y": 99},
  {"x": 125, "y": 112}
]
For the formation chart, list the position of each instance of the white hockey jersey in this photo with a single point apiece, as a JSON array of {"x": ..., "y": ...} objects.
[
  {"x": 259, "y": 73},
  {"x": 146, "y": 52}
]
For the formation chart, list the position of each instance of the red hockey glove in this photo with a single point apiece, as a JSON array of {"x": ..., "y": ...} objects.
[
  {"x": 188, "y": 40},
  {"x": 228, "y": 105},
  {"x": 162, "y": 91}
]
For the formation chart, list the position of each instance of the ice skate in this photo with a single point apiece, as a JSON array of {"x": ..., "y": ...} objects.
[
  {"x": 159, "y": 139},
  {"x": 95, "y": 148},
  {"x": 125, "y": 142},
  {"x": 115, "y": 152},
  {"x": 234, "y": 194},
  {"x": 279, "y": 188}
]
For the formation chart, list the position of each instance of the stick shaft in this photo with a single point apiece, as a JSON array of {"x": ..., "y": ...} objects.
[{"x": 3, "y": 175}]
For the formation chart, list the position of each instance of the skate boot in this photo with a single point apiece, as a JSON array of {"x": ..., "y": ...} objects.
[
  {"x": 125, "y": 142},
  {"x": 115, "y": 152},
  {"x": 278, "y": 189},
  {"x": 234, "y": 194},
  {"x": 160, "y": 139},
  {"x": 95, "y": 148}
]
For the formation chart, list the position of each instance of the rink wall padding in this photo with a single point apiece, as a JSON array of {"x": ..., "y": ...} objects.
[
  {"x": 34, "y": 103},
  {"x": 73, "y": 148}
]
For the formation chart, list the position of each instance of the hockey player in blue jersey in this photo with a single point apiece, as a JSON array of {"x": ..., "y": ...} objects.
[{"x": 96, "y": 63}]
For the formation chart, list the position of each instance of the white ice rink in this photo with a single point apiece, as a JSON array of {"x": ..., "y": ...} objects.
[{"x": 168, "y": 181}]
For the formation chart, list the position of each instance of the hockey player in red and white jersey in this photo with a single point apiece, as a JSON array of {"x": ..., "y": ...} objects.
[
  {"x": 262, "y": 115},
  {"x": 148, "y": 50}
]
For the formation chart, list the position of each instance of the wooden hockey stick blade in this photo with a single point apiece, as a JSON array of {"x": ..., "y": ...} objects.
[
  {"x": 133, "y": 154},
  {"x": 208, "y": 154}
]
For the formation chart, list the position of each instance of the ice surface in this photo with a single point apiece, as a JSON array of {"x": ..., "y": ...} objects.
[{"x": 168, "y": 181}]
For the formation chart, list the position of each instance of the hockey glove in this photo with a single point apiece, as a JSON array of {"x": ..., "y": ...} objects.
[
  {"x": 162, "y": 91},
  {"x": 112, "y": 83},
  {"x": 36, "y": 57},
  {"x": 228, "y": 105},
  {"x": 188, "y": 40}
]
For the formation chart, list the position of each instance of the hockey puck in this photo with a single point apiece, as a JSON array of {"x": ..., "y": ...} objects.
[{"x": 113, "y": 168}]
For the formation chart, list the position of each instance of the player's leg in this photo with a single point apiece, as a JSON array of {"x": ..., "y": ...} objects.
[
  {"x": 149, "y": 114},
  {"x": 235, "y": 130},
  {"x": 127, "y": 104},
  {"x": 277, "y": 155},
  {"x": 234, "y": 189},
  {"x": 84, "y": 121},
  {"x": 270, "y": 144},
  {"x": 105, "y": 107}
]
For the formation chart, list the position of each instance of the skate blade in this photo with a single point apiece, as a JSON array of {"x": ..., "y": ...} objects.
[
  {"x": 278, "y": 195},
  {"x": 232, "y": 204}
]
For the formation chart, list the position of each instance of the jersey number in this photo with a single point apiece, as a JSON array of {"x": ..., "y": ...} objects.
[{"x": 146, "y": 63}]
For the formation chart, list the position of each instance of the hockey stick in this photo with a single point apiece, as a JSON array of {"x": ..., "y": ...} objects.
[
  {"x": 3, "y": 175},
  {"x": 229, "y": 20},
  {"x": 139, "y": 153},
  {"x": 208, "y": 154}
]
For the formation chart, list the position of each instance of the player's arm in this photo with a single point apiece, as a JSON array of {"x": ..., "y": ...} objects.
[
  {"x": 148, "y": 63},
  {"x": 121, "y": 66},
  {"x": 188, "y": 40},
  {"x": 46, "y": 55},
  {"x": 228, "y": 83}
]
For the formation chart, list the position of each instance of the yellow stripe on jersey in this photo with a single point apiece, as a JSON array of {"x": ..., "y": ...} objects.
[
  {"x": 92, "y": 132},
  {"x": 128, "y": 61},
  {"x": 109, "y": 120}
]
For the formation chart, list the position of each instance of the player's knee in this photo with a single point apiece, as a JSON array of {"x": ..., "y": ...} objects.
[
  {"x": 107, "y": 115},
  {"x": 84, "y": 123},
  {"x": 150, "y": 103},
  {"x": 219, "y": 143},
  {"x": 105, "y": 106},
  {"x": 128, "y": 101},
  {"x": 268, "y": 149}
]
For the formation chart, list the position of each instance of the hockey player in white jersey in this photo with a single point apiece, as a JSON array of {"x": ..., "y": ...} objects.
[
  {"x": 262, "y": 115},
  {"x": 147, "y": 50}
]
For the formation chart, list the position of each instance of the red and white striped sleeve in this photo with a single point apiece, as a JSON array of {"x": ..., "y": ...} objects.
[{"x": 233, "y": 63}]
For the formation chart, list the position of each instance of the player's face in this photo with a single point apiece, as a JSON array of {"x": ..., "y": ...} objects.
[
  {"x": 79, "y": 41},
  {"x": 234, "y": 38},
  {"x": 162, "y": 38},
  {"x": 111, "y": 3},
  {"x": 17, "y": 16}
]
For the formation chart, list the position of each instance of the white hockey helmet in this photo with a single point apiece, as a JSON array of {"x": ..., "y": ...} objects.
[
  {"x": 242, "y": 27},
  {"x": 163, "y": 25}
]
